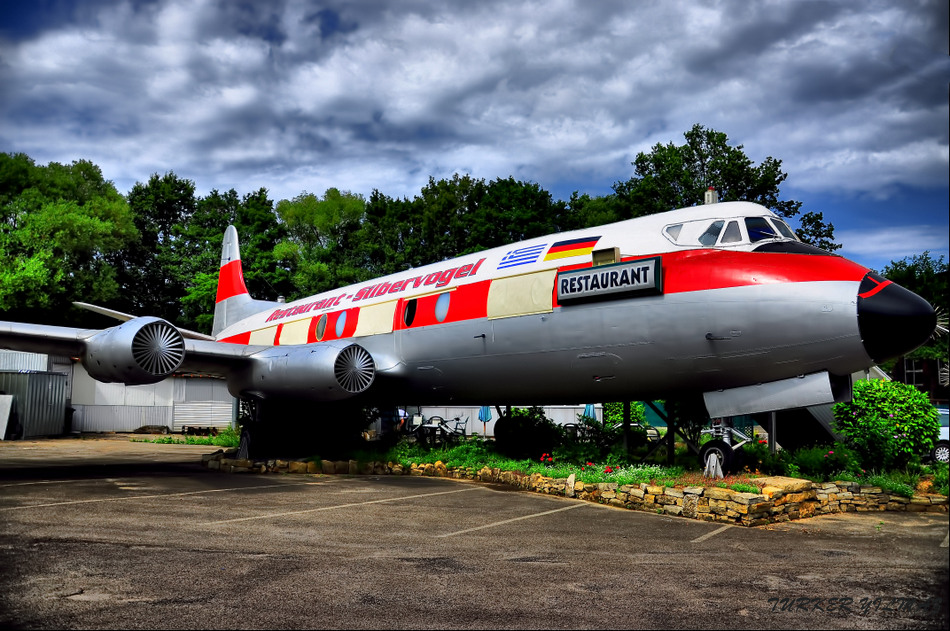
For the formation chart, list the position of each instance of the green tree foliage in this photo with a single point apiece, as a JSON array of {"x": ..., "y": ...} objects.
[
  {"x": 451, "y": 217},
  {"x": 321, "y": 247},
  {"x": 58, "y": 223},
  {"x": 676, "y": 176},
  {"x": 888, "y": 423},
  {"x": 813, "y": 230},
  {"x": 199, "y": 242},
  {"x": 926, "y": 277},
  {"x": 586, "y": 211},
  {"x": 151, "y": 272},
  {"x": 388, "y": 238}
]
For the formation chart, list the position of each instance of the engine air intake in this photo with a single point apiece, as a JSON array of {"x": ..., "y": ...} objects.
[
  {"x": 158, "y": 348},
  {"x": 354, "y": 369}
]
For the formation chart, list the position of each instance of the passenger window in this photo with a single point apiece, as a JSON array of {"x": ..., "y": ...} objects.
[
  {"x": 759, "y": 229},
  {"x": 341, "y": 324},
  {"x": 442, "y": 306},
  {"x": 712, "y": 234},
  {"x": 410, "y": 312},
  {"x": 732, "y": 233},
  {"x": 321, "y": 327}
]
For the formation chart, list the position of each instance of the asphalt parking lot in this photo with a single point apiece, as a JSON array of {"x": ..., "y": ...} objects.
[{"x": 114, "y": 534}]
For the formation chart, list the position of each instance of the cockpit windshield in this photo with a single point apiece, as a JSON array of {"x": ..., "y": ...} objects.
[
  {"x": 759, "y": 229},
  {"x": 729, "y": 232}
]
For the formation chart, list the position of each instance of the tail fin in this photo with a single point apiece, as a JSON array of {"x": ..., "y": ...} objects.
[{"x": 233, "y": 302}]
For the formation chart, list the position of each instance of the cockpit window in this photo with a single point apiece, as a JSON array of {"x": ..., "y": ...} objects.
[
  {"x": 732, "y": 233},
  {"x": 712, "y": 234},
  {"x": 759, "y": 229},
  {"x": 784, "y": 229},
  {"x": 728, "y": 232}
]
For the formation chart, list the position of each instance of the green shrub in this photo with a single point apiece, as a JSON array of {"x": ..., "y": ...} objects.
[
  {"x": 890, "y": 484},
  {"x": 527, "y": 433},
  {"x": 758, "y": 459},
  {"x": 889, "y": 424},
  {"x": 941, "y": 480},
  {"x": 823, "y": 462}
]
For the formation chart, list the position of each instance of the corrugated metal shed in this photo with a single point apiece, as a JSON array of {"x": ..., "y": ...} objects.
[
  {"x": 202, "y": 414},
  {"x": 40, "y": 401},
  {"x": 15, "y": 361},
  {"x": 119, "y": 418}
]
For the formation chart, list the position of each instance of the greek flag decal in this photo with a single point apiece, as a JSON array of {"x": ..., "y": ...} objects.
[{"x": 522, "y": 256}]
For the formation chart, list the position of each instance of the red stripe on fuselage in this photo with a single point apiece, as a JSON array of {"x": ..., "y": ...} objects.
[
  {"x": 686, "y": 271},
  {"x": 698, "y": 270},
  {"x": 230, "y": 281},
  {"x": 240, "y": 338}
]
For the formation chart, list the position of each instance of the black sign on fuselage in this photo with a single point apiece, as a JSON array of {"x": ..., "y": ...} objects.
[{"x": 643, "y": 276}]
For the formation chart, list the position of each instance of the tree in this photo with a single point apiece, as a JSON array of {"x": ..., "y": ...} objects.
[
  {"x": 151, "y": 271},
  {"x": 813, "y": 230},
  {"x": 511, "y": 211},
  {"x": 199, "y": 243},
  {"x": 452, "y": 217},
  {"x": 928, "y": 278},
  {"x": 58, "y": 224},
  {"x": 676, "y": 176},
  {"x": 389, "y": 240},
  {"x": 321, "y": 249}
]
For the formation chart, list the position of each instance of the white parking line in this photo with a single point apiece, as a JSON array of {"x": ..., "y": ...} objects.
[
  {"x": 508, "y": 521},
  {"x": 140, "y": 497},
  {"x": 711, "y": 534},
  {"x": 335, "y": 507}
]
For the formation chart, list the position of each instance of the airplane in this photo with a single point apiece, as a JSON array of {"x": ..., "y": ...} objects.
[{"x": 721, "y": 299}]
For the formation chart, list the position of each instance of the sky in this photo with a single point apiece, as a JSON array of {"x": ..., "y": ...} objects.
[{"x": 300, "y": 96}]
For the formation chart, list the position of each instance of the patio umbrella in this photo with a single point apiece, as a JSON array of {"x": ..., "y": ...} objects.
[
  {"x": 589, "y": 411},
  {"x": 484, "y": 415}
]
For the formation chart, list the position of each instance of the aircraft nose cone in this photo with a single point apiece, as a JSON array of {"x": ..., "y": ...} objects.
[{"x": 892, "y": 320}]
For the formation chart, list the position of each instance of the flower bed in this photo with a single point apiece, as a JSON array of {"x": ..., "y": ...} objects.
[{"x": 780, "y": 499}]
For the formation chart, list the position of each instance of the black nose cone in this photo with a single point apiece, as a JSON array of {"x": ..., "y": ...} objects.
[{"x": 892, "y": 320}]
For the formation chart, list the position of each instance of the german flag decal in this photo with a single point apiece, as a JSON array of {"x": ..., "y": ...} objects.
[{"x": 573, "y": 247}]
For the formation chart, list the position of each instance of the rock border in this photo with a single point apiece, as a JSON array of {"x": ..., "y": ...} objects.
[{"x": 781, "y": 499}]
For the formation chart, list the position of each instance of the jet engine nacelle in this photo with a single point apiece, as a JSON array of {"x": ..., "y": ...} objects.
[
  {"x": 326, "y": 371},
  {"x": 140, "y": 351}
]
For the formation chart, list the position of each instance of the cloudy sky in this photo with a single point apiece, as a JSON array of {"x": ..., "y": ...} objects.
[{"x": 361, "y": 94}]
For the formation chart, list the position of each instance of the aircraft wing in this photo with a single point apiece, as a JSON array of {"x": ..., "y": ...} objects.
[
  {"x": 141, "y": 350},
  {"x": 146, "y": 350},
  {"x": 40, "y": 338}
]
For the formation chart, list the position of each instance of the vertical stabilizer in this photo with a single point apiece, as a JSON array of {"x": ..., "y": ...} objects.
[{"x": 233, "y": 302}]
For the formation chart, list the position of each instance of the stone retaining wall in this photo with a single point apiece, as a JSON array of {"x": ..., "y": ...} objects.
[{"x": 781, "y": 499}]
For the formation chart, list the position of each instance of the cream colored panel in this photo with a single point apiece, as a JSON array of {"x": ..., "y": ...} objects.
[
  {"x": 521, "y": 295},
  {"x": 376, "y": 319},
  {"x": 264, "y": 337},
  {"x": 295, "y": 332}
]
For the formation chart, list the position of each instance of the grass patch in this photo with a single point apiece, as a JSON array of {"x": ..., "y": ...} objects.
[{"x": 227, "y": 438}]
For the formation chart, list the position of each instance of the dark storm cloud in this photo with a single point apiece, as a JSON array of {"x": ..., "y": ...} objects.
[
  {"x": 366, "y": 94},
  {"x": 758, "y": 29}
]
